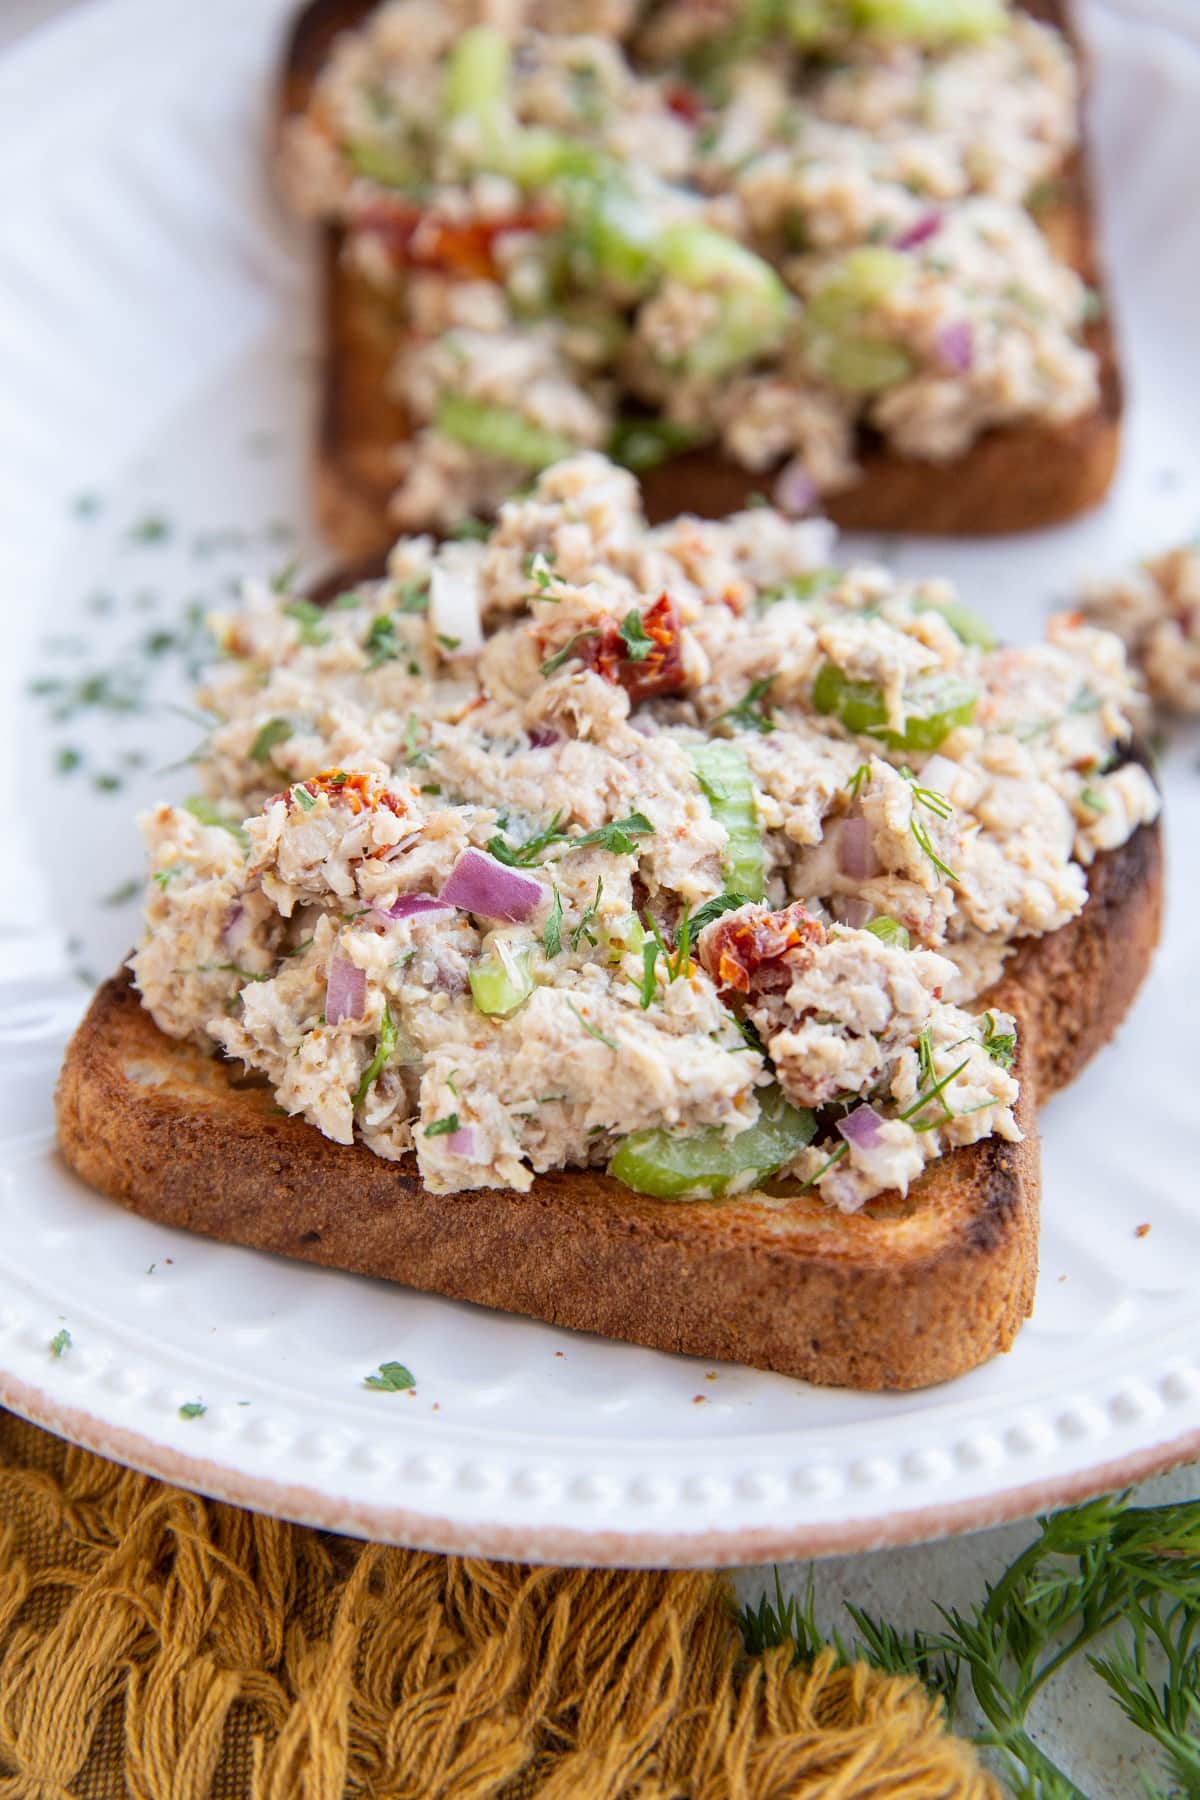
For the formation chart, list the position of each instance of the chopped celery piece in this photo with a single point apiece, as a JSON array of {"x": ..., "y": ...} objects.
[
  {"x": 934, "y": 705},
  {"x": 724, "y": 774},
  {"x": 615, "y": 231},
  {"x": 865, "y": 365},
  {"x": 859, "y": 282},
  {"x": 701, "y": 1164},
  {"x": 930, "y": 22},
  {"x": 890, "y": 931},
  {"x": 500, "y": 431},
  {"x": 820, "y": 24},
  {"x": 755, "y": 306},
  {"x": 388, "y": 164},
  {"x": 535, "y": 156},
  {"x": 623, "y": 937},
  {"x": 477, "y": 74},
  {"x": 968, "y": 626},
  {"x": 502, "y": 981}
]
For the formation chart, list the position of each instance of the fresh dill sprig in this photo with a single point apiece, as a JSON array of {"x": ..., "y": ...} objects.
[{"x": 1092, "y": 1570}]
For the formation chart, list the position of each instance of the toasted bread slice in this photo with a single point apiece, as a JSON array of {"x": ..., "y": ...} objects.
[
  {"x": 903, "y": 1294},
  {"x": 1012, "y": 479}
]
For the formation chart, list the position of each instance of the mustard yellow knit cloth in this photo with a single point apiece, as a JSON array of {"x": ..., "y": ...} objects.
[{"x": 157, "y": 1646}]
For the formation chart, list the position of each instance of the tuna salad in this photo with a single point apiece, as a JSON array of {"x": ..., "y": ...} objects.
[
  {"x": 760, "y": 228},
  {"x": 1155, "y": 609},
  {"x": 679, "y": 852}
]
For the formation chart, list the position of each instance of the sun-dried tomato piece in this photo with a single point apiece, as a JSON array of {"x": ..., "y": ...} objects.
[
  {"x": 745, "y": 950},
  {"x": 684, "y": 101},
  {"x": 659, "y": 671},
  {"x": 356, "y": 789},
  {"x": 465, "y": 247}
]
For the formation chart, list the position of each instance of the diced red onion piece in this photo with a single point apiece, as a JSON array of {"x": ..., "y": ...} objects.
[
  {"x": 795, "y": 490},
  {"x": 462, "y": 1142},
  {"x": 236, "y": 929},
  {"x": 956, "y": 346},
  {"x": 919, "y": 232},
  {"x": 861, "y": 1127},
  {"x": 855, "y": 913},
  {"x": 479, "y": 884},
  {"x": 856, "y": 857},
  {"x": 345, "y": 991},
  {"x": 542, "y": 736},
  {"x": 408, "y": 906},
  {"x": 454, "y": 607}
]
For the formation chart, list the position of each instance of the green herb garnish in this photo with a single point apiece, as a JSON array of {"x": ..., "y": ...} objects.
[
  {"x": 617, "y": 837},
  {"x": 388, "y": 1038},
  {"x": 749, "y": 712},
  {"x": 587, "y": 918},
  {"x": 1001, "y": 1046},
  {"x": 275, "y": 731},
  {"x": 633, "y": 634},
  {"x": 713, "y": 909},
  {"x": 649, "y": 983},
  {"x": 554, "y": 663},
  {"x": 60, "y": 1343},
  {"x": 207, "y": 812},
  {"x": 442, "y": 1127},
  {"x": 192, "y": 1409},
  {"x": 520, "y": 855},
  {"x": 591, "y": 1029},
  {"x": 310, "y": 619},
  {"x": 380, "y": 643},
  {"x": 552, "y": 933},
  {"x": 393, "y": 1378}
]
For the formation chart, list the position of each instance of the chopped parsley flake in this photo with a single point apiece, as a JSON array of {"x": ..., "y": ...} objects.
[
  {"x": 207, "y": 812},
  {"x": 60, "y": 1343},
  {"x": 636, "y": 639},
  {"x": 713, "y": 909},
  {"x": 275, "y": 731},
  {"x": 750, "y": 713},
  {"x": 617, "y": 837},
  {"x": 442, "y": 1127},
  {"x": 302, "y": 797},
  {"x": 393, "y": 1378},
  {"x": 122, "y": 895},
  {"x": 380, "y": 643},
  {"x": 153, "y": 529},
  {"x": 310, "y": 619},
  {"x": 67, "y": 759},
  {"x": 192, "y": 1409},
  {"x": 447, "y": 642}
]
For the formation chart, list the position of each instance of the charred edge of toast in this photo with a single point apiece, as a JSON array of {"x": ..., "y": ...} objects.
[
  {"x": 1012, "y": 479},
  {"x": 902, "y": 1295}
]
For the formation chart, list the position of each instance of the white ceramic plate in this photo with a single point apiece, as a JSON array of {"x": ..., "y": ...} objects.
[{"x": 155, "y": 363}]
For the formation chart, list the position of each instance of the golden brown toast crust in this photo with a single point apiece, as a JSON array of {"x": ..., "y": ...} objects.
[
  {"x": 1012, "y": 479},
  {"x": 901, "y": 1295}
]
